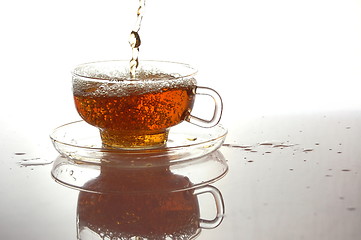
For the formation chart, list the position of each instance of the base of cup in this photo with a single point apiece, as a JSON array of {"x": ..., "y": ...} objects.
[{"x": 133, "y": 140}]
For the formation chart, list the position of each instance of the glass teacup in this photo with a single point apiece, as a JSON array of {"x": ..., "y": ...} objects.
[{"x": 138, "y": 112}]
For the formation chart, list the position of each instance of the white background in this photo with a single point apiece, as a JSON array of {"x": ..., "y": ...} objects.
[{"x": 264, "y": 57}]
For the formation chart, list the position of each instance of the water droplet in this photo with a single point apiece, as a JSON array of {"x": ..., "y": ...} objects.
[
  {"x": 34, "y": 162},
  {"x": 192, "y": 139}
]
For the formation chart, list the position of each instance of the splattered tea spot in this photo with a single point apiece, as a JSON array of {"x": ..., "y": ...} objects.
[
  {"x": 308, "y": 150},
  {"x": 266, "y": 144},
  {"x": 235, "y": 145},
  {"x": 351, "y": 208},
  {"x": 19, "y": 153},
  {"x": 283, "y": 145}
]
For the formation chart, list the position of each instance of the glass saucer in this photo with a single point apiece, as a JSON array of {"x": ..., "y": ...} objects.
[
  {"x": 81, "y": 142},
  {"x": 189, "y": 160}
]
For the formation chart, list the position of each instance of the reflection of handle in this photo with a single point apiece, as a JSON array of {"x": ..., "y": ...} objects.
[
  {"x": 209, "y": 224},
  {"x": 218, "y": 107}
]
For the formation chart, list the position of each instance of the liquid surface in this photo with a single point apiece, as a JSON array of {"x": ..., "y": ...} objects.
[
  {"x": 119, "y": 85},
  {"x": 149, "y": 111}
]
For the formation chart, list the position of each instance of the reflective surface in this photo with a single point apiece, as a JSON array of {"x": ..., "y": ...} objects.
[{"x": 290, "y": 177}]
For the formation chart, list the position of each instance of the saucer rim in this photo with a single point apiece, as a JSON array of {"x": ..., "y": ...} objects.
[{"x": 135, "y": 150}]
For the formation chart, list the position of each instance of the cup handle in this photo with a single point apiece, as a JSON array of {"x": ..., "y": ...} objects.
[
  {"x": 218, "y": 108},
  {"x": 209, "y": 224}
]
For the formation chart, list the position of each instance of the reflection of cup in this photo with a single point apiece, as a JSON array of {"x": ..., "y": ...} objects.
[
  {"x": 144, "y": 214},
  {"x": 150, "y": 203},
  {"x": 138, "y": 112},
  {"x": 165, "y": 215}
]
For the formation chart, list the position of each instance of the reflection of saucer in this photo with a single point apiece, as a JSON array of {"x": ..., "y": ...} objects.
[
  {"x": 152, "y": 177},
  {"x": 81, "y": 142}
]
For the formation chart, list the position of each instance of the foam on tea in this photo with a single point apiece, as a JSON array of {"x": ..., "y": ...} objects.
[{"x": 118, "y": 83}]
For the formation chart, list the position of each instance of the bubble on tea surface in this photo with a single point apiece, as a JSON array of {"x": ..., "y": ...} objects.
[{"x": 118, "y": 82}]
